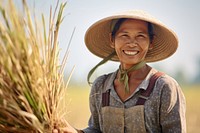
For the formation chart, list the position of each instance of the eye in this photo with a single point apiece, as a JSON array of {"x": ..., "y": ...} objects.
[
  {"x": 125, "y": 36},
  {"x": 141, "y": 36}
]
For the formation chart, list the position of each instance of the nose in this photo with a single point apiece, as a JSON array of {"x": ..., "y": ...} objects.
[{"x": 132, "y": 43}]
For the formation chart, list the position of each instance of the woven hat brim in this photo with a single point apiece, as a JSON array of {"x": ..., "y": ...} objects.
[{"x": 165, "y": 42}]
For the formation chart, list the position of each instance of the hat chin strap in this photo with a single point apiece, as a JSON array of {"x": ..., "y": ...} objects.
[
  {"x": 123, "y": 73},
  {"x": 99, "y": 64},
  {"x": 123, "y": 76}
]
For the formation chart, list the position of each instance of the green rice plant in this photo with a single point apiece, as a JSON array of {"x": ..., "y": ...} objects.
[{"x": 32, "y": 84}]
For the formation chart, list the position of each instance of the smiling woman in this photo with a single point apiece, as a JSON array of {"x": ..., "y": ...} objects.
[{"x": 136, "y": 97}]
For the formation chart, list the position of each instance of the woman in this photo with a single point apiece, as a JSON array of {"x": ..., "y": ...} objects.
[{"x": 136, "y": 98}]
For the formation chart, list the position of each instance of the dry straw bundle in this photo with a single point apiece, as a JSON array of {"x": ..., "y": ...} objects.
[{"x": 31, "y": 78}]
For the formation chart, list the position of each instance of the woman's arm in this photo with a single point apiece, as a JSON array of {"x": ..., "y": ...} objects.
[
  {"x": 94, "y": 100},
  {"x": 172, "y": 108}
]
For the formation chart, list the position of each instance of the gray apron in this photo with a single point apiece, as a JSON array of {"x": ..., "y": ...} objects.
[
  {"x": 121, "y": 120},
  {"x": 126, "y": 120}
]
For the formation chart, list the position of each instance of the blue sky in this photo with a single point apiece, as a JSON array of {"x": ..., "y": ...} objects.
[{"x": 180, "y": 15}]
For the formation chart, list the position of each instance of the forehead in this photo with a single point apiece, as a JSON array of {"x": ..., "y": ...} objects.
[{"x": 134, "y": 24}]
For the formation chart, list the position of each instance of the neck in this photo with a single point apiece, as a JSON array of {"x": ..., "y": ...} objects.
[
  {"x": 132, "y": 67},
  {"x": 123, "y": 74},
  {"x": 126, "y": 67},
  {"x": 140, "y": 73},
  {"x": 137, "y": 73}
]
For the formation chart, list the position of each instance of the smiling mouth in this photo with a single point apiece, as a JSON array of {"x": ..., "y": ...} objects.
[{"x": 131, "y": 53}]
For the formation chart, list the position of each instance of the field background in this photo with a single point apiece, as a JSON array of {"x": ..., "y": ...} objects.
[{"x": 78, "y": 107}]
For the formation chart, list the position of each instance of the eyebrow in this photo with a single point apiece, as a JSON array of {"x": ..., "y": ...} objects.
[
  {"x": 140, "y": 32},
  {"x": 143, "y": 32}
]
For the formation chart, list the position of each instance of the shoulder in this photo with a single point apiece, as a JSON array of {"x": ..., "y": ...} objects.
[
  {"x": 101, "y": 82},
  {"x": 166, "y": 87},
  {"x": 169, "y": 88},
  {"x": 97, "y": 89},
  {"x": 163, "y": 81},
  {"x": 167, "y": 81}
]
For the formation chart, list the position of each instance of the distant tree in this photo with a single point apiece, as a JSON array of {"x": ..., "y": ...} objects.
[
  {"x": 180, "y": 76},
  {"x": 197, "y": 77}
]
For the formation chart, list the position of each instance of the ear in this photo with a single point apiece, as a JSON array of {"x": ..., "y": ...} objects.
[
  {"x": 112, "y": 41},
  {"x": 151, "y": 45}
]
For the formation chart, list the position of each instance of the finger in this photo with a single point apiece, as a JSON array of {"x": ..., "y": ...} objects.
[{"x": 55, "y": 131}]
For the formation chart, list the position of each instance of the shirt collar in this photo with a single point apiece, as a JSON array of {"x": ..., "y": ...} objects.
[
  {"x": 109, "y": 83},
  {"x": 145, "y": 82}
]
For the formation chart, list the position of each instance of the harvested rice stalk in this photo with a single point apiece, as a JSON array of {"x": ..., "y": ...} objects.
[{"x": 31, "y": 78}]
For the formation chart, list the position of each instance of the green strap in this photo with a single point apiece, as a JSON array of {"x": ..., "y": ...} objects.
[
  {"x": 100, "y": 63},
  {"x": 124, "y": 74},
  {"x": 113, "y": 23}
]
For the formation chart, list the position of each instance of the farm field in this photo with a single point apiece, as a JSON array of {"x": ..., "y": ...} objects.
[{"x": 78, "y": 107}]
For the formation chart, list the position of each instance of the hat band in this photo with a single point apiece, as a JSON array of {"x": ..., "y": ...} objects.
[{"x": 113, "y": 23}]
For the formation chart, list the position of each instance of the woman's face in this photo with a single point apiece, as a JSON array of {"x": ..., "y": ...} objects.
[{"x": 131, "y": 42}]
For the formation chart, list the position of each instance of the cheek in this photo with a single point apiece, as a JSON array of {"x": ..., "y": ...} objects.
[
  {"x": 145, "y": 49},
  {"x": 117, "y": 48},
  {"x": 118, "y": 45},
  {"x": 145, "y": 46}
]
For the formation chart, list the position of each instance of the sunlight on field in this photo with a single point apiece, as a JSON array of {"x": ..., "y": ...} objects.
[
  {"x": 192, "y": 94},
  {"x": 78, "y": 107}
]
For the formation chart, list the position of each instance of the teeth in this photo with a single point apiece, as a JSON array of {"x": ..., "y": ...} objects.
[{"x": 130, "y": 52}]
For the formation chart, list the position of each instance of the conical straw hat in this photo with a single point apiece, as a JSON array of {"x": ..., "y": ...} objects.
[{"x": 97, "y": 39}]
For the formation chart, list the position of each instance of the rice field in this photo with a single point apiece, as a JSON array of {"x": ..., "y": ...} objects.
[
  {"x": 31, "y": 75},
  {"x": 78, "y": 106},
  {"x": 192, "y": 94}
]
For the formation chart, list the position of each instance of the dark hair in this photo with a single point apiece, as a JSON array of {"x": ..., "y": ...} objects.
[
  {"x": 121, "y": 20},
  {"x": 150, "y": 31},
  {"x": 117, "y": 26}
]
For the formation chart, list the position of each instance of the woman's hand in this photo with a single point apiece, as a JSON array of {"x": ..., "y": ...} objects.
[{"x": 67, "y": 129}]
